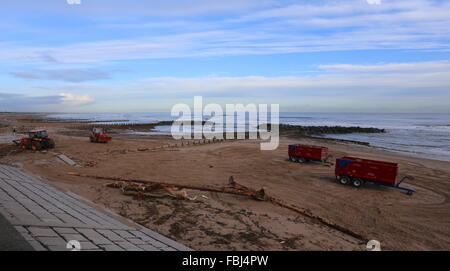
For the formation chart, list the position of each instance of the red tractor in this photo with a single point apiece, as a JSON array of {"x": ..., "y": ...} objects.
[
  {"x": 37, "y": 140},
  {"x": 99, "y": 135}
]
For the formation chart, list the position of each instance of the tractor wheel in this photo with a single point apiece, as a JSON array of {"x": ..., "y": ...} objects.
[
  {"x": 23, "y": 146},
  {"x": 51, "y": 144},
  {"x": 292, "y": 158},
  {"x": 357, "y": 182},
  {"x": 36, "y": 146},
  {"x": 344, "y": 180}
]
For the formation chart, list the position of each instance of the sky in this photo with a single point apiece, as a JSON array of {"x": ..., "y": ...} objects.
[{"x": 148, "y": 55}]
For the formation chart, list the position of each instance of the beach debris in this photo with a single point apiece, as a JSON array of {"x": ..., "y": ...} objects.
[
  {"x": 145, "y": 189},
  {"x": 149, "y": 186},
  {"x": 90, "y": 164},
  {"x": 122, "y": 151},
  {"x": 142, "y": 190},
  {"x": 178, "y": 193}
]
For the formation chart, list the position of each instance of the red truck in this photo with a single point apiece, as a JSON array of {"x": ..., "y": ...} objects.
[
  {"x": 357, "y": 171},
  {"x": 304, "y": 153}
]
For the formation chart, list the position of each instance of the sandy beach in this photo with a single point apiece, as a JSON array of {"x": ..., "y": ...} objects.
[{"x": 215, "y": 221}]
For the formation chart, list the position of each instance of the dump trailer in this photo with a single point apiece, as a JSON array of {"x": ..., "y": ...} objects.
[
  {"x": 304, "y": 153},
  {"x": 357, "y": 171},
  {"x": 37, "y": 140},
  {"x": 99, "y": 135}
]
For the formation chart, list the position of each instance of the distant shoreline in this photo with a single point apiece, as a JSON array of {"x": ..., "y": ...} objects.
[{"x": 417, "y": 135}]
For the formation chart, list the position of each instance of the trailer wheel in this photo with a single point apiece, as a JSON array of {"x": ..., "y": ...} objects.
[
  {"x": 357, "y": 182},
  {"x": 291, "y": 158},
  {"x": 301, "y": 160},
  {"x": 344, "y": 180}
]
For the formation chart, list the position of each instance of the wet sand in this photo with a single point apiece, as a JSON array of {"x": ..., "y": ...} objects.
[{"x": 227, "y": 222}]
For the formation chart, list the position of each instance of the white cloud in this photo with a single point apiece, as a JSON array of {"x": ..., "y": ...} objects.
[
  {"x": 409, "y": 79},
  {"x": 427, "y": 67},
  {"x": 414, "y": 85},
  {"x": 72, "y": 75},
  {"x": 45, "y": 102},
  {"x": 274, "y": 86},
  {"x": 75, "y": 100},
  {"x": 374, "y": 2}
]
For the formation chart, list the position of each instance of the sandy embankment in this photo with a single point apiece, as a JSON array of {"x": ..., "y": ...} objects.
[{"x": 227, "y": 222}]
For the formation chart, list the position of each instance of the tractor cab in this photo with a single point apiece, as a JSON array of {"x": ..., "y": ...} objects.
[
  {"x": 98, "y": 130},
  {"x": 38, "y": 134}
]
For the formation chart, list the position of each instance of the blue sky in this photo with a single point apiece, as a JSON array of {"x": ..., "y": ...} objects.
[{"x": 147, "y": 55}]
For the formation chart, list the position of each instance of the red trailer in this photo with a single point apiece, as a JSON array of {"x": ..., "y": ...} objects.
[
  {"x": 303, "y": 153},
  {"x": 356, "y": 171}
]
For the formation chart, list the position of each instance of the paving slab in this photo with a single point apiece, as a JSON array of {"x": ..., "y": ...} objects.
[
  {"x": 42, "y": 232},
  {"x": 65, "y": 231},
  {"x": 66, "y": 160},
  {"x": 43, "y": 218},
  {"x": 111, "y": 248}
]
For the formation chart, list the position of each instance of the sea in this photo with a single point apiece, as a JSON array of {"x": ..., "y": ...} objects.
[{"x": 417, "y": 135}]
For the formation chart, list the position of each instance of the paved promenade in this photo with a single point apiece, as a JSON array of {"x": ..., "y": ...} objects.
[{"x": 48, "y": 218}]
